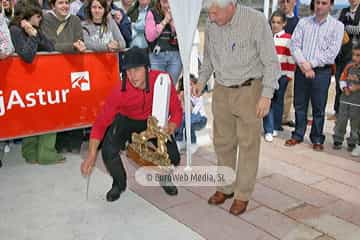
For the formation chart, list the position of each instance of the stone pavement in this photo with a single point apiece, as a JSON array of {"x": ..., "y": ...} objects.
[{"x": 300, "y": 195}]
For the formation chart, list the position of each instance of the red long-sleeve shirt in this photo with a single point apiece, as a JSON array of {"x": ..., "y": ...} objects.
[{"x": 135, "y": 104}]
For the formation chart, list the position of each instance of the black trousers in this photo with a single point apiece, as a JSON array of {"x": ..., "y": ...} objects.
[{"x": 115, "y": 138}]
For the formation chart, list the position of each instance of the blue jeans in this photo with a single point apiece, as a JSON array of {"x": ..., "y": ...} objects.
[
  {"x": 273, "y": 120},
  {"x": 198, "y": 122},
  {"x": 167, "y": 61},
  {"x": 317, "y": 91}
]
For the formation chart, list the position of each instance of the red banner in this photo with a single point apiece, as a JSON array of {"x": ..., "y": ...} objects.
[{"x": 54, "y": 93}]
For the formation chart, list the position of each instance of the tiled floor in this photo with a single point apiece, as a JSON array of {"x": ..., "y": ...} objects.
[{"x": 299, "y": 195}]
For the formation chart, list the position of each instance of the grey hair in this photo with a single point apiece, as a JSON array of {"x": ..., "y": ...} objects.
[{"x": 220, "y": 3}]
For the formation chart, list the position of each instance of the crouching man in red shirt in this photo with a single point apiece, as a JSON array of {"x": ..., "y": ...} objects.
[{"x": 126, "y": 111}]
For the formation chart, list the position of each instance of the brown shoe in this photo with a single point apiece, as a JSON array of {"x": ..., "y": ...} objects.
[
  {"x": 238, "y": 207},
  {"x": 291, "y": 142},
  {"x": 318, "y": 147},
  {"x": 219, "y": 198}
]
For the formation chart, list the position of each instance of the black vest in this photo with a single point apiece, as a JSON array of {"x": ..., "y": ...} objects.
[{"x": 167, "y": 41}]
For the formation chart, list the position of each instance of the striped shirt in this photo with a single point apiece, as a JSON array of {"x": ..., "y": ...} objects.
[
  {"x": 282, "y": 44},
  {"x": 317, "y": 43},
  {"x": 240, "y": 50}
]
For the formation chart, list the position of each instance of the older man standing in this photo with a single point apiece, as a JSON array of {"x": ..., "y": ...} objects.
[
  {"x": 315, "y": 44},
  {"x": 239, "y": 47}
]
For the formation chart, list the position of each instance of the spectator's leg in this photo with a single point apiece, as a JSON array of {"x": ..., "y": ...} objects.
[
  {"x": 174, "y": 65},
  {"x": 354, "y": 126},
  {"x": 2, "y": 145},
  {"x": 29, "y": 149},
  {"x": 288, "y": 102},
  {"x": 302, "y": 87},
  {"x": 319, "y": 94},
  {"x": 341, "y": 123},
  {"x": 278, "y": 102},
  {"x": 339, "y": 70},
  {"x": 47, "y": 153}
]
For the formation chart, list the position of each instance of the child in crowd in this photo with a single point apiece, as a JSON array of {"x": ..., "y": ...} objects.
[
  {"x": 198, "y": 117},
  {"x": 349, "y": 105},
  {"x": 26, "y": 35},
  {"x": 272, "y": 122}
]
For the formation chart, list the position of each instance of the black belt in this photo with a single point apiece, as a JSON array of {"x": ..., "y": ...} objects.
[
  {"x": 244, "y": 84},
  {"x": 323, "y": 67}
]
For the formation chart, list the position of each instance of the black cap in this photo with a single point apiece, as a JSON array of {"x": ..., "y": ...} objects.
[{"x": 136, "y": 57}]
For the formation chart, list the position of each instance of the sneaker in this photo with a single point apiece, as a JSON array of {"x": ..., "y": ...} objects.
[
  {"x": 337, "y": 145},
  {"x": 351, "y": 147},
  {"x": 275, "y": 133},
  {"x": 7, "y": 148},
  {"x": 356, "y": 151},
  {"x": 268, "y": 137}
]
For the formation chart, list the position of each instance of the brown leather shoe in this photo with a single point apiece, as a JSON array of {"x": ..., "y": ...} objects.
[
  {"x": 318, "y": 147},
  {"x": 292, "y": 142},
  {"x": 219, "y": 198},
  {"x": 238, "y": 207}
]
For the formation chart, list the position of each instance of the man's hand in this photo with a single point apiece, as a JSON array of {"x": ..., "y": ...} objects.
[
  {"x": 87, "y": 165},
  {"x": 263, "y": 107},
  {"x": 310, "y": 74},
  {"x": 197, "y": 89},
  {"x": 170, "y": 128},
  {"x": 305, "y": 66}
]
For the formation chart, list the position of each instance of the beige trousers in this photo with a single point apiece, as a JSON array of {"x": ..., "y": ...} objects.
[
  {"x": 288, "y": 101},
  {"x": 237, "y": 135}
]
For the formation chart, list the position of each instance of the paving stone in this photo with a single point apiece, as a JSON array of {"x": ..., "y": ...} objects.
[
  {"x": 296, "y": 173},
  {"x": 302, "y": 232},
  {"x": 214, "y": 223},
  {"x": 324, "y": 237},
  {"x": 339, "y": 190},
  {"x": 304, "y": 212},
  {"x": 345, "y": 210},
  {"x": 159, "y": 198},
  {"x": 334, "y": 227},
  {"x": 274, "y": 199},
  {"x": 277, "y": 224},
  {"x": 297, "y": 190}
]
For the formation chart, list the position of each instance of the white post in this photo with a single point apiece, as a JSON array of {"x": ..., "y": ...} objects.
[
  {"x": 266, "y": 8},
  {"x": 274, "y": 5}
]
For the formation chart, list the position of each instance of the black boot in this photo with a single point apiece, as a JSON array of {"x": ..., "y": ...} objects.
[
  {"x": 168, "y": 185},
  {"x": 113, "y": 194},
  {"x": 0, "y": 163}
]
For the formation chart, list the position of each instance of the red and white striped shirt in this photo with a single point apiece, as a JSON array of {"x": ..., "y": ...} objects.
[{"x": 282, "y": 45}]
